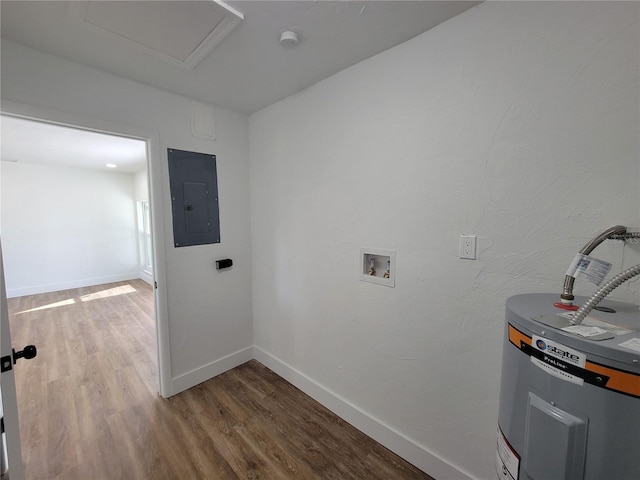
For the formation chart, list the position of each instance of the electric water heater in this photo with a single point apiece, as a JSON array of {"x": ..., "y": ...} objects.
[{"x": 570, "y": 394}]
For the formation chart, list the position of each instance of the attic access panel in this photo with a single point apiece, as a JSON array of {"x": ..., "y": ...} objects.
[
  {"x": 181, "y": 33},
  {"x": 194, "y": 198}
]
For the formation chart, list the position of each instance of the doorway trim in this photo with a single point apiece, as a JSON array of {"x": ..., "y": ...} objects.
[{"x": 152, "y": 140}]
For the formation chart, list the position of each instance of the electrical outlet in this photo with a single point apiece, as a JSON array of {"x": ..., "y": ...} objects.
[{"x": 467, "y": 247}]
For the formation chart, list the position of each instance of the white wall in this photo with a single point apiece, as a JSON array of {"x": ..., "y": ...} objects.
[
  {"x": 86, "y": 216},
  {"x": 141, "y": 185},
  {"x": 517, "y": 122},
  {"x": 209, "y": 312}
]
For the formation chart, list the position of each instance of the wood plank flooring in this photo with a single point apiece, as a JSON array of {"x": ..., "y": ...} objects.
[{"x": 89, "y": 408}]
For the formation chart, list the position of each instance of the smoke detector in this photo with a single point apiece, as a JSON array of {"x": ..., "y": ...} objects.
[{"x": 289, "y": 39}]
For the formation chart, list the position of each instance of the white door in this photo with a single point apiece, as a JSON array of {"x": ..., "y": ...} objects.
[{"x": 11, "y": 452}]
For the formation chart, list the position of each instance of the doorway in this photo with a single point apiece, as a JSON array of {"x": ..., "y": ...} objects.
[
  {"x": 149, "y": 140},
  {"x": 68, "y": 216}
]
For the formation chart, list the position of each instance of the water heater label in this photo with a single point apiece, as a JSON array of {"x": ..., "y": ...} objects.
[
  {"x": 592, "y": 268},
  {"x": 507, "y": 460},
  {"x": 558, "y": 359},
  {"x": 632, "y": 343}
]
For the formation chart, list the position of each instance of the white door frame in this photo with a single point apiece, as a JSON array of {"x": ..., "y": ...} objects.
[{"x": 154, "y": 163}]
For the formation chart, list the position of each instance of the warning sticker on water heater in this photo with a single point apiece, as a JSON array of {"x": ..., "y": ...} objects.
[
  {"x": 507, "y": 460},
  {"x": 557, "y": 359}
]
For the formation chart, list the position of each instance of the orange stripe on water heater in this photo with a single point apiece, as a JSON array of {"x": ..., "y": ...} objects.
[
  {"x": 619, "y": 380},
  {"x": 517, "y": 337}
]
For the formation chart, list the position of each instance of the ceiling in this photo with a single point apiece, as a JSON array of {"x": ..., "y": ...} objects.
[
  {"x": 26, "y": 141},
  {"x": 225, "y": 54},
  {"x": 247, "y": 69}
]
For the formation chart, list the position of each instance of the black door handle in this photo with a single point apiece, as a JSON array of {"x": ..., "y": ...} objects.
[
  {"x": 7, "y": 362},
  {"x": 29, "y": 352}
]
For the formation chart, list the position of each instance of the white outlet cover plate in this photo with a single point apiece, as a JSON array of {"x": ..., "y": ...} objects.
[{"x": 467, "y": 247}]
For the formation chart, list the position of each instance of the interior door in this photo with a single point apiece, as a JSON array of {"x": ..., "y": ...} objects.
[{"x": 11, "y": 452}]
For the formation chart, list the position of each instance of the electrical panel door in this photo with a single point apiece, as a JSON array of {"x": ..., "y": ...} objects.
[{"x": 194, "y": 198}]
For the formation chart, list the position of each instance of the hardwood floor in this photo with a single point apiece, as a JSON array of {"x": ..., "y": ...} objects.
[{"x": 89, "y": 407}]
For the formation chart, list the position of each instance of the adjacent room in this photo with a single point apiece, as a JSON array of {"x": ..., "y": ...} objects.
[
  {"x": 389, "y": 177},
  {"x": 75, "y": 208}
]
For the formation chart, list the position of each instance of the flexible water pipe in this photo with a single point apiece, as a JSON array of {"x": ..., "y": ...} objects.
[{"x": 602, "y": 292}]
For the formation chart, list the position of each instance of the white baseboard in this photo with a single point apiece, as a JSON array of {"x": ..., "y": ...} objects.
[
  {"x": 56, "y": 287},
  {"x": 412, "y": 452},
  {"x": 213, "y": 369},
  {"x": 146, "y": 276}
]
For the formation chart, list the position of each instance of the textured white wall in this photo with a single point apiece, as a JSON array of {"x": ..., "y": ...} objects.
[
  {"x": 209, "y": 312},
  {"x": 87, "y": 218},
  {"x": 517, "y": 122}
]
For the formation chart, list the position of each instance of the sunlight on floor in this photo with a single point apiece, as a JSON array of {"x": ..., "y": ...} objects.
[
  {"x": 110, "y": 292},
  {"x": 62, "y": 303}
]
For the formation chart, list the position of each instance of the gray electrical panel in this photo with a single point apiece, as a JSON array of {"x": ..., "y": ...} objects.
[{"x": 194, "y": 198}]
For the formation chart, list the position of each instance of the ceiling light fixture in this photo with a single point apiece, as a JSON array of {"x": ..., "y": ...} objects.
[
  {"x": 289, "y": 39},
  {"x": 111, "y": 165}
]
